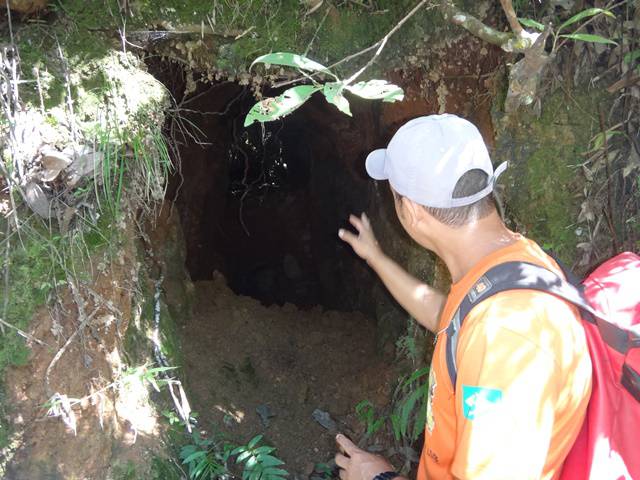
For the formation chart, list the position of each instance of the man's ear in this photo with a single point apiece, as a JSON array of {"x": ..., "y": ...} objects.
[{"x": 412, "y": 210}]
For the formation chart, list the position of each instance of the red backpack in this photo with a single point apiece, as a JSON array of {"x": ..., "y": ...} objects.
[{"x": 608, "y": 446}]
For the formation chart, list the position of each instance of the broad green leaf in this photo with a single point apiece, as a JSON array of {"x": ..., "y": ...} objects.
[
  {"x": 377, "y": 90},
  {"x": 587, "y": 37},
  {"x": 195, "y": 456},
  {"x": 273, "y": 108},
  {"x": 256, "y": 440},
  {"x": 589, "y": 12},
  {"x": 275, "y": 471},
  {"x": 632, "y": 56},
  {"x": 291, "y": 60},
  {"x": 244, "y": 455},
  {"x": 263, "y": 450},
  {"x": 238, "y": 450},
  {"x": 271, "y": 462},
  {"x": 333, "y": 93},
  {"x": 527, "y": 22}
]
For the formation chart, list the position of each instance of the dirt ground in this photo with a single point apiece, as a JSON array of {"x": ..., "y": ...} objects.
[{"x": 242, "y": 358}]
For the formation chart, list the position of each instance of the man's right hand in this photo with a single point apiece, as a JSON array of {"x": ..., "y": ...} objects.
[
  {"x": 421, "y": 301},
  {"x": 364, "y": 243}
]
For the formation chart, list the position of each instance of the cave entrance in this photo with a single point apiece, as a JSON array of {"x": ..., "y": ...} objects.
[
  {"x": 278, "y": 342},
  {"x": 262, "y": 204},
  {"x": 289, "y": 327}
]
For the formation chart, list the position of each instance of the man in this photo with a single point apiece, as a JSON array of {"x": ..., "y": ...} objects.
[{"x": 523, "y": 368}]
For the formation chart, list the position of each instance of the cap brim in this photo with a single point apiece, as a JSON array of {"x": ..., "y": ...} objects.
[{"x": 375, "y": 164}]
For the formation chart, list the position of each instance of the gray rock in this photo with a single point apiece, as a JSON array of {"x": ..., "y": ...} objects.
[
  {"x": 53, "y": 162},
  {"x": 38, "y": 200},
  {"x": 324, "y": 419}
]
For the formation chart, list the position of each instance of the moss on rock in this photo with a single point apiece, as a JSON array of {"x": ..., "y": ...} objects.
[{"x": 544, "y": 180}]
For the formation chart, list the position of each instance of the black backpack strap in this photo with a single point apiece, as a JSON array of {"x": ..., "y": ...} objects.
[{"x": 526, "y": 276}]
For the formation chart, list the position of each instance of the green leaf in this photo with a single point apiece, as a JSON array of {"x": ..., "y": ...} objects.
[
  {"x": 333, "y": 93},
  {"x": 527, "y": 22},
  {"x": 264, "y": 450},
  {"x": 256, "y": 440},
  {"x": 271, "y": 462},
  {"x": 632, "y": 56},
  {"x": 273, "y": 108},
  {"x": 377, "y": 90},
  {"x": 244, "y": 455},
  {"x": 420, "y": 422},
  {"x": 237, "y": 450},
  {"x": 194, "y": 456},
  {"x": 288, "y": 59},
  {"x": 251, "y": 462},
  {"x": 421, "y": 372},
  {"x": 395, "y": 424},
  {"x": 587, "y": 37},
  {"x": 275, "y": 471},
  {"x": 589, "y": 12}
]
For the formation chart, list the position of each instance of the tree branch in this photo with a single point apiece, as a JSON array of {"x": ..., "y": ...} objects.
[
  {"x": 452, "y": 14},
  {"x": 510, "y": 42},
  {"x": 509, "y": 11}
]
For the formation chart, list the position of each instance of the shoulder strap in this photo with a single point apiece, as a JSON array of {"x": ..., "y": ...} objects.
[{"x": 526, "y": 276}]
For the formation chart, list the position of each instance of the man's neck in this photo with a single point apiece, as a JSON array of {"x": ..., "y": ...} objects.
[{"x": 462, "y": 248}]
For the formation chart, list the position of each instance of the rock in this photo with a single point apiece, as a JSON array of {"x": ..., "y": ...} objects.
[
  {"x": 265, "y": 413},
  {"x": 38, "y": 200},
  {"x": 324, "y": 419},
  {"x": 85, "y": 162},
  {"x": 53, "y": 162},
  {"x": 26, "y": 6}
]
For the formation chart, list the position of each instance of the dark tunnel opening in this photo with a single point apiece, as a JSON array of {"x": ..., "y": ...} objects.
[{"x": 263, "y": 204}]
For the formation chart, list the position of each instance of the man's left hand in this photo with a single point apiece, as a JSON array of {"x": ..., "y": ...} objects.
[{"x": 356, "y": 464}]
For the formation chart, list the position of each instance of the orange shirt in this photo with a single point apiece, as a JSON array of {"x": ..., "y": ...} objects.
[{"x": 524, "y": 380}]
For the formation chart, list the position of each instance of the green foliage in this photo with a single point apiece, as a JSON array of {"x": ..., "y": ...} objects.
[
  {"x": 409, "y": 414},
  {"x": 586, "y": 37},
  {"x": 207, "y": 459},
  {"x": 203, "y": 458},
  {"x": 366, "y": 413},
  {"x": 274, "y": 108},
  {"x": 527, "y": 22},
  {"x": 259, "y": 463},
  {"x": 583, "y": 37},
  {"x": 589, "y": 12}
]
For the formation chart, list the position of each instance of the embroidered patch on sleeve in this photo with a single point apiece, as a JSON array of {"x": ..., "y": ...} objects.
[{"x": 477, "y": 401}]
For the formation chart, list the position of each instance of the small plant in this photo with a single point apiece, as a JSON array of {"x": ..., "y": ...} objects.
[
  {"x": 205, "y": 459},
  {"x": 259, "y": 463},
  {"x": 409, "y": 414},
  {"x": 366, "y": 413},
  {"x": 583, "y": 37}
]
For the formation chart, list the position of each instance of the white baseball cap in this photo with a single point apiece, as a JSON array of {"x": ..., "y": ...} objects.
[{"x": 427, "y": 156}]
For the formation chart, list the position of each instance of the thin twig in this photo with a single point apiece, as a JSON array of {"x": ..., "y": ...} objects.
[
  {"x": 379, "y": 45},
  {"x": 67, "y": 78},
  {"x": 614, "y": 235},
  {"x": 512, "y": 18},
  {"x": 320, "y": 24},
  {"x": 22, "y": 333},
  {"x": 84, "y": 321}
]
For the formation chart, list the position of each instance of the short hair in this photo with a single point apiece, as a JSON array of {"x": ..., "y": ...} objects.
[{"x": 470, "y": 183}]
